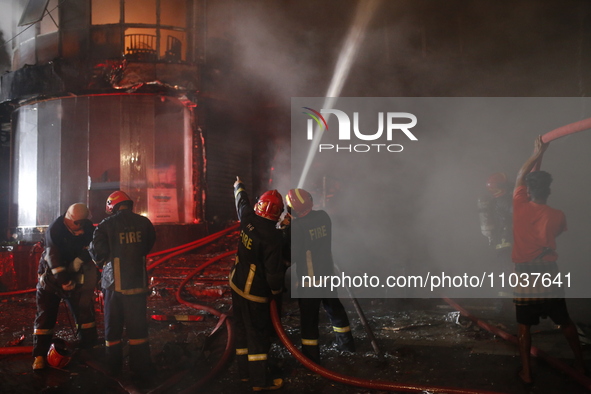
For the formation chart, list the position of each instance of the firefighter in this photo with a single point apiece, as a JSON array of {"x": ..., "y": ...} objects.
[
  {"x": 311, "y": 232},
  {"x": 66, "y": 272},
  {"x": 496, "y": 223},
  {"x": 119, "y": 246},
  {"x": 255, "y": 279},
  {"x": 496, "y": 214}
]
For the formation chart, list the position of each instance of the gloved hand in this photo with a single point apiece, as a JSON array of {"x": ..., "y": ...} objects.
[
  {"x": 237, "y": 181},
  {"x": 76, "y": 264},
  {"x": 285, "y": 221},
  {"x": 278, "y": 297},
  {"x": 69, "y": 286}
]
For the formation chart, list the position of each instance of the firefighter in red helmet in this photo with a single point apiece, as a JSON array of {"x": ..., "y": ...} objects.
[
  {"x": 256, "y": 277},
  {"x": 66, "y": 272},
  {"x": 495, "y": 210},
  {"x": 497, "y": 184},
  {"x": 311, "y": 252},
  {"x": 119, "y": 246},
  {"x": 496, "y": 214}
]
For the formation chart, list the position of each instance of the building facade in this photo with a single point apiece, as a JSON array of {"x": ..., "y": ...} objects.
[{"x": 103, "y": 95}]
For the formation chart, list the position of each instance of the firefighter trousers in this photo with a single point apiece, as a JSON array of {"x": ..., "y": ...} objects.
[
  {"x": 80, "y": 301},
  {"x": 309, "y": 319},
  {"x": 253, "y": 330},
  {"x": 129, "y": 311}
]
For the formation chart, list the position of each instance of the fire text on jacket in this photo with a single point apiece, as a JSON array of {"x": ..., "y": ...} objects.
[
  {"x": 317, "y": 232},
  {"x": 246, "y": 240},
  {"x": 130, "y": 237}
]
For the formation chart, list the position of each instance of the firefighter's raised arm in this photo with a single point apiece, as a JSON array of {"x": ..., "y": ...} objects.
[{"x": 241, "y": 199}]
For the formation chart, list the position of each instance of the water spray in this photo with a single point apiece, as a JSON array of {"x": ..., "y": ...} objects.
[{"x": 363, "y": 14}]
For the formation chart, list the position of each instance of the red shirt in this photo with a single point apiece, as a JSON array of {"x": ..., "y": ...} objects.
[{"x": 535, "y": 227}]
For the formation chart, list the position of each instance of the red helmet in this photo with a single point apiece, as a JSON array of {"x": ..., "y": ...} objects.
[
  {"x": 300, "y": 201},
  {"x": 497, "y": 184},
  {"x": 269, "y": 205},
  {"x": 116, "y": 198},
  {"x": 58, "y": 355}
]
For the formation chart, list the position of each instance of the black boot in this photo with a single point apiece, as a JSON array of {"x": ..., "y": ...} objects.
[
  {"x": 88, "y": 338},
  {"x": 312, "y": 352},
  {"x": 114, "y": 359},
  {"x": 344, "y": 341}
]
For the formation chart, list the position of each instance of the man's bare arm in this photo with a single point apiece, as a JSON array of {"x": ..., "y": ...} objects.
[{"x": 536, "y": 158}]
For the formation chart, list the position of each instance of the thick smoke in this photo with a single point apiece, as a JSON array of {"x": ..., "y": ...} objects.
[
  {"x": 415, "y": 211},
  {"x": 422, "y": 211},
  {"x": 6, "y": 23}
]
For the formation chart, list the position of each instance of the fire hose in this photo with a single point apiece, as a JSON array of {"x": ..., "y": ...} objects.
[
  {"x": 352, "y": 381},
  {"x": 550, "y": 136},
  {"x": 223, "y": 318},
  {"x": 582, "y": 379},
  {"x": 570, "y": 128},
  {"x": 187, "y": 247},
  {"x": 370, "y": 384},
  {"x": 16, "y": 350},
  {"x": 17, "y": 292},
  {"x": 285, "y": 340},
  {"x": 289, "y": 345}
]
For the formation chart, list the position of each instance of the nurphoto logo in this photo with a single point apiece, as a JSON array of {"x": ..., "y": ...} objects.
[{"x": 394, "y": 122}]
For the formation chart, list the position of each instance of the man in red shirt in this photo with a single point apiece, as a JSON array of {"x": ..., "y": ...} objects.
[{"x": 535, "y": 228}]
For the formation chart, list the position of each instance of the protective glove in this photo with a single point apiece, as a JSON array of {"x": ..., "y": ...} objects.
[{"x": 76, "y": 264}]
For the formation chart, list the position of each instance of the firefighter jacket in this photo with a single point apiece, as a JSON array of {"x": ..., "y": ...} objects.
[
  {"x": 259, "y": 270},
  {"x": 496, "y": 219},
  {"x": 311, "y": 253},
  {"x": 119, "y": 246},
  {"x": 61, "y": 249}
]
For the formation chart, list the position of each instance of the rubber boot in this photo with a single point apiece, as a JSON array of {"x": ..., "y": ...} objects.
[
  {"x": 275, "y": 385},
  {"x": 312, "y": 352},
  {"x": 88, "y": 337},
  {"x": 344, "y": 341},
  {"x": 41, "y": 344},
  {"x": 242, "y": 362},
  {"x": 115, "y": 359},
  {"x": 258, "y": 373},
  {"x": 140, "y": 362}
]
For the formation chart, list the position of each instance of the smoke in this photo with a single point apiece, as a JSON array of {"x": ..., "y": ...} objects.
[
  {"x": 345, "y": 60},
  {"x": 418, "y": 208},
  {"x": 5, "y": 34},
  {"x": 416, "y": 211}
]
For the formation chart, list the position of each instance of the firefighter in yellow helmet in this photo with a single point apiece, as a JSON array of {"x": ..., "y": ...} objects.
[{"x": 311, "y": 253}]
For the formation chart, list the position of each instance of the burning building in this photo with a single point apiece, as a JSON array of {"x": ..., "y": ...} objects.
[{"x": 106, "y": 95}]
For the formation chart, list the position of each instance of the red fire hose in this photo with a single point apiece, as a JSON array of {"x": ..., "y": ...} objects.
[
  {"x": 567, "y": 129},
  {"x": 16, "y": 350},
  {"x": 223, "y": 319},
  {"x": 228, "y": 351},
  {"x": 11, "y": 293},
  {"x": 582, "y": 379},
  {"x": 365, "y": 383},
  {"x": 187, "y": 247},
  {"x": 299, "y": 356}
]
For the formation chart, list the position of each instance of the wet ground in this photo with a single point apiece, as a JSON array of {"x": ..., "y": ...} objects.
[{"x": 422, "y": 341}]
